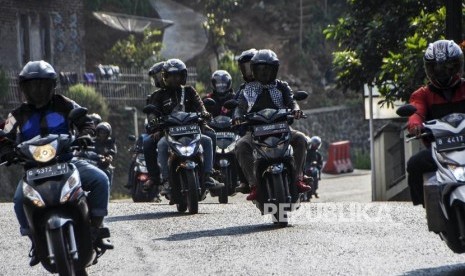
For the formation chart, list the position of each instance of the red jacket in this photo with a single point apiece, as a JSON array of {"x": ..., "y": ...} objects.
[{"x": 432, "y": 103}]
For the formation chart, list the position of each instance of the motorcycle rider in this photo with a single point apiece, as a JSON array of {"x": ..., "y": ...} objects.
[
  {"x": 313, "y": 155},
  {"x": 222, "y": 91},
  {"x": 150, "y": 141},
  {"x": 267, "y": 92},
  {"x": 45, "y": 112},
  {"x": 105, "y": 147},
  {"x": 177, "y": 96},
  {"x": 444, "y": 94},
  {"x": 244, "y": 65}
]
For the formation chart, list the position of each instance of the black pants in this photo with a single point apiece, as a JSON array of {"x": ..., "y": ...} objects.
[{"x": 417, "y": 165}]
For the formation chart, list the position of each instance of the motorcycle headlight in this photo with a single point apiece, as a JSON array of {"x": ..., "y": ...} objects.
[
  {"x": 230, "y": 148},
  {"x": 44, "y": 153},
  {"x": 73, "y": 182},
  {"x": 186, "y": 150},
  {"x": 458, "y": 172},
  {"x": 31, "y": 194}
]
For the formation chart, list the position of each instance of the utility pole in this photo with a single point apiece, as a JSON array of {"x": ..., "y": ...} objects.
[
  {"x": 454, "y": 20},
  {"x": 301, "y": 26}
]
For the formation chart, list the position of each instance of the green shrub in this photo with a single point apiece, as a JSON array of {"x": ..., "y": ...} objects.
[
  {"x": 3, "y": 84},
  {"x": 362, "y": 160},
  {"x": 87, "y": 97}
]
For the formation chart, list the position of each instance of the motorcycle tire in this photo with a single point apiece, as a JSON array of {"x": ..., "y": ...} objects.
[
  {"x": 224, "y": 193},
  {"x": 139, "y": 195},
  {"x": 191, "y": 179},
  {"x": 63, "y": 261},
  {"x": 280, "y": 196}
]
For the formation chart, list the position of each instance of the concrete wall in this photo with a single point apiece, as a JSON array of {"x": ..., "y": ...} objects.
[
  {"x": 339, "y": 123},
  {"x": 61, "y": 21}
]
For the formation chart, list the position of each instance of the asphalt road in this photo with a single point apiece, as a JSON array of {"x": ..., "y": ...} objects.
[{"x": 342, "y": 233}]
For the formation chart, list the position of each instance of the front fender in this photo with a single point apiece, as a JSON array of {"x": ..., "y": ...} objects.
[
  {"x": 457, "y": 194},
  {"x": 55, "y": 222}
]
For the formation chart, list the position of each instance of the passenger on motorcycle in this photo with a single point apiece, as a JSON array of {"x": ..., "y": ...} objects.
[
  {"x": 96, "y": 118},
  {"x": 244, "y": 65},
  {"x": 105, "y": 147},
  {"x": 45, "y": 112},
  {"x": 177, "y": 96},
  {"x": 313, "y": 155},
  {"x": 150, "y": 141},
  {"x": 444, "y": 94},
  {"x": 267, "y": 92}
]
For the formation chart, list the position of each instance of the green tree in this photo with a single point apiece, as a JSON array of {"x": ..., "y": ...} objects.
[
  {"x": 218, "y": 14},
  {"x": 381, "y": 43},
  {"x": 136, "y": 52},
  {"x": 87, "y": 97}
]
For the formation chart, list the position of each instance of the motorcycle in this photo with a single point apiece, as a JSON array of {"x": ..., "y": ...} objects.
[
  {"x": 182, "y": 132},
  {"x": 274, "y": 162},
  {"x": 314, "y": 174},
  {"x": 225, "y": 159},
  {"x": 56, "y": 205},
  {"x": 444, "y": 190},
  {"x": 138, "y": 174}
]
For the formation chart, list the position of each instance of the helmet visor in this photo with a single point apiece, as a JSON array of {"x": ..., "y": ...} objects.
[
  {"x": 443, "y": 73},
  {"x": 246, "y": 71},
  {"x": 174, "y": 79},
  {"x": 38, "y": 92},
  {"x": 264, "y": 73},
  {"x": 221, "y": 86}
]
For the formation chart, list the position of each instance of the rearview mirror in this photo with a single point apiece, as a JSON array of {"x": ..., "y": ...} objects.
[
  {"x": 150, "y": 109},
  {"x": 230, "y": 104},
  {"x": 406, "y": 110},
  {"x": 300, "y": 95},
  {"x": 209, "y": 102},
  {"x": 132, "y": 137},
  {"x": 77, "y": 113}
]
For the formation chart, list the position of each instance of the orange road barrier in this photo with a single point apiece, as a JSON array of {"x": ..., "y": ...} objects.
[{"x": 338, "y": 158}]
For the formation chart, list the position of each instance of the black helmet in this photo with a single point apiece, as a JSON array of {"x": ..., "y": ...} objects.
[
  {"x": 315, "y": 142},
  {"x": 443, "y": 62},
  {"x": 221, "y": 82},
  {"x": 265, "y": 65},
  {"x": 155, "y": 74},
  {"x": 174, "y": 73},
  {"x": 37, "y": 81},
  {"x": 244, "y": 64},
  {"x": 103, "y": 130},
  {"x": 96, "y": 118}
]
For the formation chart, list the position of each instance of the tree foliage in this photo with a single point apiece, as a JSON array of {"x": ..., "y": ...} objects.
[
  {"x": 382, "y": 43},
  {"x": 218, "y": 19},
  {"x": 135, "y": 51},
  {"x": 87, "y": 97}
]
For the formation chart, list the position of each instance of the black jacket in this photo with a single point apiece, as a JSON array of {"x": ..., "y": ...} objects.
[
  {"x": 166, "y": 99},
  {"x": 26, "y": 121}
]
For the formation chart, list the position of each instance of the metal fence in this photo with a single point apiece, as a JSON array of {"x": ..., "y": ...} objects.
[{"x": 130, "y": 87}]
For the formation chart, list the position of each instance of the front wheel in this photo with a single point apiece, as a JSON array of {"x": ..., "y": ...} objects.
[
  {"x": 224, "y": 193},
  {"x": 63, "y": 261},
  {"x": 280, "y": 217},
  {"x": 191, "y": 180}
]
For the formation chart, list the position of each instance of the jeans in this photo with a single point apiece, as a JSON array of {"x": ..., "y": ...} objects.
[
  {"x": 244, "y": 155},
  {"x": 417, "y": 165},
  {"x": 150, "y": 154},
  {"x": 206, "y": 143},
  {"x": 93, "y": 180}
]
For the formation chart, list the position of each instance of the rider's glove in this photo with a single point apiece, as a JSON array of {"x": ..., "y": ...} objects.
[
  {"x": 206, "y": 115},
  {"x": 415, "y": 130},
  {"x": 84, "y": 141},
  {"x": 297, "y": 113}
]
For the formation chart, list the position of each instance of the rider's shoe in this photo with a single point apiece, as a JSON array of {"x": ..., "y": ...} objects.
[
  {"x": 211, "y": 183},
  {"x": 253, "y": 193},
  {"x": 243, "y": 188}
]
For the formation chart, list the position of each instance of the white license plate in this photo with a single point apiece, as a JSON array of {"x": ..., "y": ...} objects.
[{"x": 45, "y": 172}]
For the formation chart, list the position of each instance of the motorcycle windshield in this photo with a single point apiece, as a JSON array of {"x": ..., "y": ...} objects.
[{"x": 221, "y": 122}]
